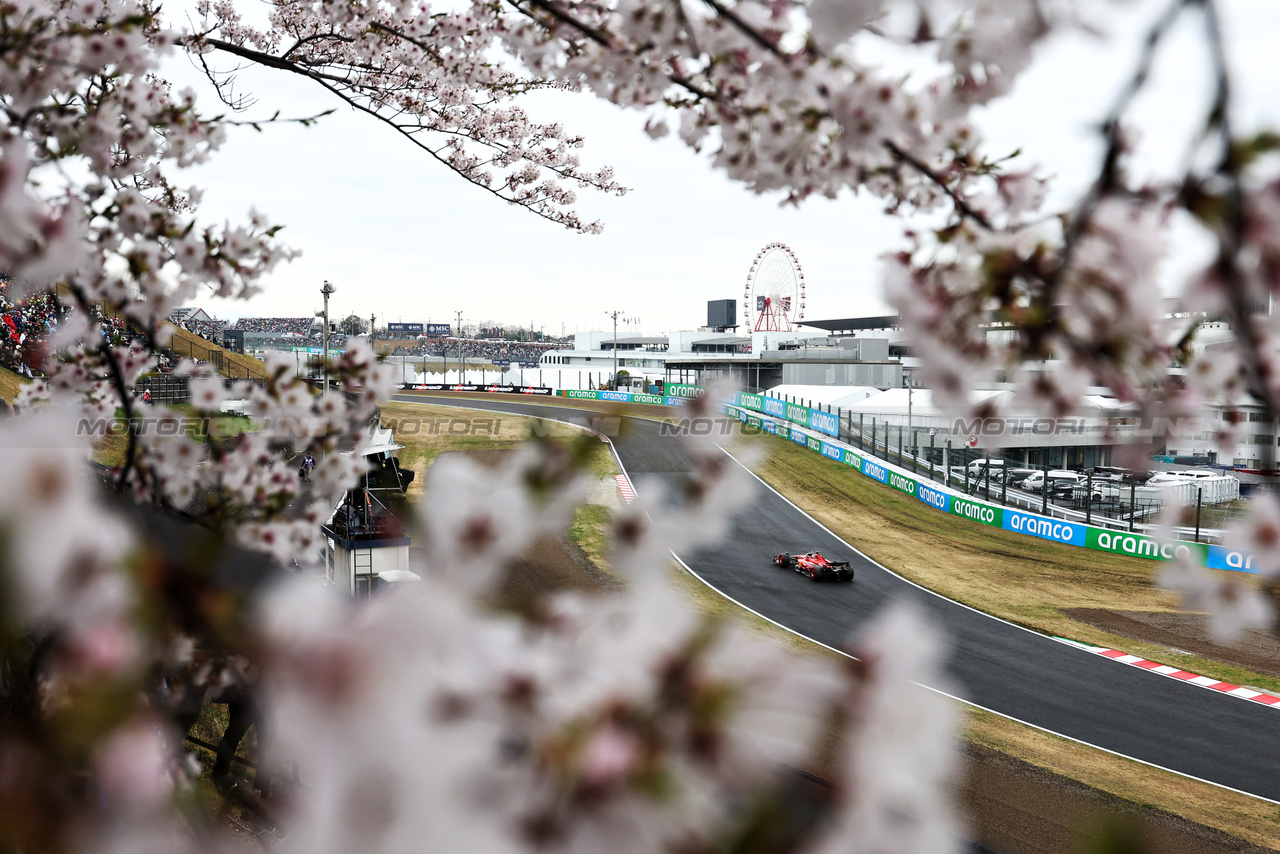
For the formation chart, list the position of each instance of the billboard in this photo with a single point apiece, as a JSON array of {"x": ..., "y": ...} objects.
[
  {"x": 722, "y": 313},
  {"x": 405, "y": 328},
  {"x": 439, "y": 329}
]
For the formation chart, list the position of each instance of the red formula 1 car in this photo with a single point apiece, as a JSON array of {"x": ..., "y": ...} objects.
[{"x": 817, "y": 567}]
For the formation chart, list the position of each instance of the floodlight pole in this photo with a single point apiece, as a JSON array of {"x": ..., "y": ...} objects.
[
  {"x": 324, "y": 330},
  {"x": 462, "y": 359},
  {"x": 614, "y": 315}
]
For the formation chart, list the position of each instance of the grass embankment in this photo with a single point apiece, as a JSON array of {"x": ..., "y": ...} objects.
[
  {"x": 11, "y": 384},
  {"x": 234, "y": 365},
  {"x": 1026, "y": 581}
]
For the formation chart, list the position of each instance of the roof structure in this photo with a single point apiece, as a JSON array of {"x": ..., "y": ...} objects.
[
  {"x": 841, "y": 396},
  {"x": 846, "y": 325}
]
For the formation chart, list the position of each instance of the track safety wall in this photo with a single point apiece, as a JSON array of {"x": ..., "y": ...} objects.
[{"x": 744, "y": 406}]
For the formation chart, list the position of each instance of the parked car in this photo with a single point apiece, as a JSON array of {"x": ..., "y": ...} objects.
[
  {"x": 978, "y": 469},
  {"x": 1100, "y": 490},
  {"x": 1036, "y": 481},
  {"x": 1016, "y": 477}
]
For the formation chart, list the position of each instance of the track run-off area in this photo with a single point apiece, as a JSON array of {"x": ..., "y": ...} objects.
[{"x": 994, "y": 664}]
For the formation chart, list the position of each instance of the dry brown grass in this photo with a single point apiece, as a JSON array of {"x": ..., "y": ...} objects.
[
  {"x": 1239, "y": 815},
  {"x": 427, "y": 430},
  {"x": 11, "y": 384}
]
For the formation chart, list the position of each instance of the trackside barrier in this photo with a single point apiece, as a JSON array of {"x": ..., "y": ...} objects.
[
  {"x": 626, "y": 397},
  {"x": 799, "y": 419},
  {"x": 995, "y": 516}
]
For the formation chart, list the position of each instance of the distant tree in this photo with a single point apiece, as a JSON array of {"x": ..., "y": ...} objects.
[{"x": 353, "y": 324}]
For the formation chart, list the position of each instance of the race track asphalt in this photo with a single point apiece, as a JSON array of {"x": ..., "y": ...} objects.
[{"x": 994, "y": 664}]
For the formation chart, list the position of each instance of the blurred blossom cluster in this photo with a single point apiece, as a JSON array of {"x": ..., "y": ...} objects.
[
  {"x": 436, "y": 718},
  {"x": 429, "y": 717}
]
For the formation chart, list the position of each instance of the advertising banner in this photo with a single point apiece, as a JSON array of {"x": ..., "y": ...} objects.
[
  {"x": 984, "y": 513},
  {"x": 814, "y": 443},
  {"x": 682, "y": 390},
  {"x": 491, "y": 389},
  {"x": 902, "y": 483},
  {"x": 935, "y": 498},
  {"x": 439, "y": 329},
  {"x": 405, "y": 328},
  {"x": 799, "y": 438},
  {"x": 773, "y": 406},
  {"x": 1220, "y": 557},
  {"x": 875, "y": 470},
  {"x": 824, "y": 422},
  {"x": 581, "y": 395},
  {"x": 832, "y": 452},
  {"x": 1140, "y": 545},
  {"x": 750, "y": 401},
  {"x": 852, "y": 460},
  {"x": 620, "y": 396},
  {"x": 654, "y": 399},
  {"x": 798, "y": 414},
  {"x": 1045, "y": 529}
]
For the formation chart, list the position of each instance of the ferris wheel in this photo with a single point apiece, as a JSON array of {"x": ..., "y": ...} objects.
[{"x": 774, "y": 294}]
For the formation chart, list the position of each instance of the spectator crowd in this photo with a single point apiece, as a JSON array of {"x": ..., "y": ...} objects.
[
  {"x": 27, "y": 324},
  {"x": 474, "y": 348},
  {"x": 282, "y": 326},
  {"x": 209, "y": 330}
]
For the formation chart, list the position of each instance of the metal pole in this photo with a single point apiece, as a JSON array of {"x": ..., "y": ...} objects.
[
  {"x": 324, "y": 333},
  {"x": 933, "y": 441},
  {"x": 1044, "y": 484},
  {"x": 462, "y": 359},
  {"x": 873, "y": 437},
  {"x": 862, "y": 436},
  {"x": 986, "y": 469},
  {"x": 1199, "y": 498},
  {"x": 1132, "y": 486},
  {"x": 1088, "y": 498}
]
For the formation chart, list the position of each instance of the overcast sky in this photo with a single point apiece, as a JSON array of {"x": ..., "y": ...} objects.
[{"x": 402, "y": 237}]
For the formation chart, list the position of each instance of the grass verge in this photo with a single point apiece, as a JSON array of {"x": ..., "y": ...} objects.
[{"x": 236, "y": 365}]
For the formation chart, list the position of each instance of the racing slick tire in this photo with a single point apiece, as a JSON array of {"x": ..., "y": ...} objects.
[
  {"x": 813, "y": 574},
  {"x": 786, "y": 560}
]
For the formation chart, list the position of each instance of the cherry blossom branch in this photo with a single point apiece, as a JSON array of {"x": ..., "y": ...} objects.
[{"x": 962, "y": 206}]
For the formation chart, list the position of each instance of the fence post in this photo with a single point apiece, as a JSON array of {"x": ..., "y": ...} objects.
[
  {"x": 1132, "y": 487},
  {"x": 1044, "y": 485},
  {"x": 873, "y": 437},
  {"x": 862, "y": 436},
  {"x": 1088, "y": 498},
  {"x": 933, "y": 441},
  {"x": 1199, "y": 499}
]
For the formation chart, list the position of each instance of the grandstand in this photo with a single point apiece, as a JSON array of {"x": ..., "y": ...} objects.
[{"x": 281, "y": 327}]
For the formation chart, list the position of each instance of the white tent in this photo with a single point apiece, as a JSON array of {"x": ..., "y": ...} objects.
[
  {"x": 835, "y": 396},
  {"x": 895, "y": 402}
]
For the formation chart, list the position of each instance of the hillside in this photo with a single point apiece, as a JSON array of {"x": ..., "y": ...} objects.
[{"x": 234, "y": 365}]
